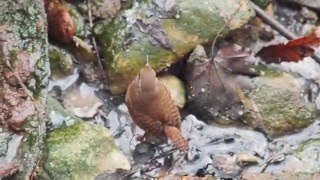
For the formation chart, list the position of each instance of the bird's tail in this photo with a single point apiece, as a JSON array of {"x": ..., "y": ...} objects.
[{"x": 174, "y": 134}]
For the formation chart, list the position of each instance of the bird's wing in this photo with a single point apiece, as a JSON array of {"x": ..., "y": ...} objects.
[
  {"x": 169, "y": 111},
  {"x": 146, "y": 123}
]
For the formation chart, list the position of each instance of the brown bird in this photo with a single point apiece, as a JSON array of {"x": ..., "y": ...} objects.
[{"x": 152, "y": 108}]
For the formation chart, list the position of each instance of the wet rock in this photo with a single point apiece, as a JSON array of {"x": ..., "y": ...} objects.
[
  {"x": 292, "y": 154},
  {"x": 173, "y": 177},
  {"x": 308, "y": 156},
  {"x": 213, "y": 147},
  {"x": 81, "y": 151},
  {"x": 143, "y": 152},
  {"x": 58, "y": 115},
  {"x": 82, "y": 101},
  {"x": 277, "y": 105},
  {"x": 245, "y": 159},
  {"x": 176, "y": 89},
  {"x": 105, "y": 9},
  {"x": 65, "y": 82},
  {"x": 23, "y": 36},
  {"x": 164, "y": 30},
  {"x": 209, "y": 143},
  {"x": 284, "y": 176},
  {"x": 61, "y": 63},
  {"x": 309, "y": 3}
]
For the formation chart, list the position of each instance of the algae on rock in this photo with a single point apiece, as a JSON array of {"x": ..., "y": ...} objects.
[
  {"x": 166, "y": 32},
  {"x": 23, "y": 30},
  {"x": 61, "y": 63},
  {"x": 81, "y": 151},
  {"x": 278, "y": 104}
]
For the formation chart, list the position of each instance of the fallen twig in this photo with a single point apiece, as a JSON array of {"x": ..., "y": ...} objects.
[
  {"x": 212, "y": 55},
  {"x": 94, "y": 43},
  {"x": 39, "y": 110}
]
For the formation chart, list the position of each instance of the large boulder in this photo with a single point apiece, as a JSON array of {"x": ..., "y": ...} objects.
[
  {"x": 166, "y": 31},
  {"x": 24, "y": 70}
]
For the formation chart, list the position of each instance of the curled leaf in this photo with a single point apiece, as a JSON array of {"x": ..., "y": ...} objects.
[
  {"x": 61, "y": 26},
  {"x": 212, "y": 85},
  {"x": 293, "y": 51}
]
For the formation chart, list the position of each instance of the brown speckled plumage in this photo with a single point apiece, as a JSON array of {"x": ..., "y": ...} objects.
[{"x": 152, "y": 108}]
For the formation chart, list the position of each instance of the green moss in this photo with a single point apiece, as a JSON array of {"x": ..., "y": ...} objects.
[
  {"x": 77, "y": 151},
  {"x": 283, "y": 110},
  {"x": 24, "y": 29},
  {"x": 268, "y": 72},
  {"x": 78, "y": 20},
  {"x": 60, "y": 61},
  {"x": 192, "y": 18},
  {"x": 309, "y": 143},
  {"x": 32, "y": 139}
]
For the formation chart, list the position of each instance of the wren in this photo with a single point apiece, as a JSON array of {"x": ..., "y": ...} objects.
[{"x": 152, "y": 108}]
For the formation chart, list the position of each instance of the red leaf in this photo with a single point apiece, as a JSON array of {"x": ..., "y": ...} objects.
[
  {"x": 304, "y": 41},
  {"x": 61, "y": 26},
  {"x": 293, "y": 51}
]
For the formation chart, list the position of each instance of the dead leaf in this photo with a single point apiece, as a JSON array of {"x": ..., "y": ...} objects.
[
  {"x": 61, "y": 26},
  {"x": 212, "y": 87},
  {"x": 293, "y": 51}
]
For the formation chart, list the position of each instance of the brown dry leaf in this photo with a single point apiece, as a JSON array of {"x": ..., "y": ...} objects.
[
  {"x": 212, "y": 87},
  {"x": 61, "y": 26}
]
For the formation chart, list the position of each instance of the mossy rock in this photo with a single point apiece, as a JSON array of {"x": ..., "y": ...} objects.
[
  {"x": 61, "y": 63},
  {"x": 176, "y": 88},
  {"x": 23, "y": 29},
  {"x": 81, "y": 151},
  {"x": 279, "y": 104},
  {"x": 307, "y": 154},
  {"x": 58, "y": 115},
  {"x": 78, "y": 20},
  {"x": 164, "y": 32}
]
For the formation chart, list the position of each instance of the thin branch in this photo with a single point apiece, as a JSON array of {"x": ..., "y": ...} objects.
[
  {"x": 228, "y": 20},
  {"x": 94, "y": 43}
]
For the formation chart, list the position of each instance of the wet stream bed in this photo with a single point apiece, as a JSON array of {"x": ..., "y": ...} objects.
[{"x": 221, "y": 151}]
